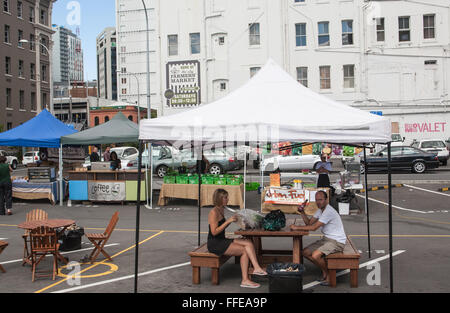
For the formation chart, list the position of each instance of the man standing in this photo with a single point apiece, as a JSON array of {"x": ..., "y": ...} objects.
[
  {"x": 94, "y": 157},
  {"x": 324, "y": 169},
  {"x": 331, "y": 226},
  {"x": 107, "y": 155}
]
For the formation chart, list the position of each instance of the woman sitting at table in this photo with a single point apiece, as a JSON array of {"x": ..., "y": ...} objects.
[
  {"x": 115, "y": 162},
  {"x": 219, "y": 245}
]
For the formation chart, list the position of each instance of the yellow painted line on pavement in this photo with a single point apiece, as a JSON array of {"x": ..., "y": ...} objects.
[{"x": 96, "y": 264}]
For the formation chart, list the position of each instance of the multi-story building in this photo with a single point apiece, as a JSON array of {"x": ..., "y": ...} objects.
[
  {"x": 25, "y": 65},
  {"x": 386, "y": 56},
  {"x": 67, "y": 59},
  {"x": 107, "y": 64}
]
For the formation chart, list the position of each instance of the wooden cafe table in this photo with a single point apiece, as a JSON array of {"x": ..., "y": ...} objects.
[
  {"x": 271, "y": 256},
  {"x": 51, "y": 223}
]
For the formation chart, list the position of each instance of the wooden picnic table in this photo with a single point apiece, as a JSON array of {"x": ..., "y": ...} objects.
[
  {"x": 52, "y": 223},
  {"x": 272, "y": 256}
]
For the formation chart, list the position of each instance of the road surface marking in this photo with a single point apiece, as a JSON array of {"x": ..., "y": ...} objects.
[
  {"x": 394, "y": 206},
  {"x": 315, "y": 283},
  {"x": 435, "y": 192}
]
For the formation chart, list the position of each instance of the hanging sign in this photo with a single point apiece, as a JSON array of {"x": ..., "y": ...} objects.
[
  {"x": 285, "y": 196},
  {"x": 183, "y": 80}
]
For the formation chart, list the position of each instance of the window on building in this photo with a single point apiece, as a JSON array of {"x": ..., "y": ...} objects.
[
  {"x": 19, "y": 9},
  {"x": 380, "y": 29},
  {"x": 300, "y": 35},
  {"x": 347, "y": 32},
  {"x": 43, "y": 46},
  {"x": 302, "y": 76},
  {"x": 106, "y": 119},
  {"x": 44, "y": 101},
  {"x": 195, "y": 43},
  {"x": 32, "y": 42},
  {"x": 223, "y": 86},
  {"x": 173, "y": 44},
  {"x": 43, "y": 17},
  {"x": 299, "y": 1},
  {"x": 96, "y": 121},
  {"x": 19, "y": 38},
  {"x": 5, "y": 5},
  {"x": 349, "y": 76},
  {"x": 429, "y": 26},
  {"x": 8, "y": 97},
  {"x": 124, "y": 91},
  {"x": 404, "y": 31},
  {"x": 7, "y": 35},
  {"x": 44, "y": 73},
  {"x": 21, "y": 69},
  {"x": 8, "y": 65},
  {"x": 124, "y": 80},
  {"x": 123, "y": 60},
  {"x": 31, "y": 16},
  {"x": 430, "y": 62},
  {"x": 325, "y": 77},
  {"x": 221, "y": 40},
  {"x": 324, "y": 34},
  {"x": 254, "y": 70},
  {"x": 9, "y": 126},
  {"x": 32, "y": 71},
  {"x": 123, "y": 49},
  {"x": 33, "y": 101},
  {"x": 22, "y": 100},
  {"x": 254, "y": 32},
  {"x": 130, "y": 117}
]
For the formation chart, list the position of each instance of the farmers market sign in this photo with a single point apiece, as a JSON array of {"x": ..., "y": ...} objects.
[{"x": 183, "y": 80}]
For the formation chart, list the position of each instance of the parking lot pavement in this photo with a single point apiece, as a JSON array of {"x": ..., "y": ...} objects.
[{"x": 421, "y": 226}]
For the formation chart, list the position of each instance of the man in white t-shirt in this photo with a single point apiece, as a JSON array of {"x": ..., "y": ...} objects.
[{"x": 328, "y": 220}]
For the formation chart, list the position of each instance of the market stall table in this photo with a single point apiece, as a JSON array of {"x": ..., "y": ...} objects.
[
  {"x": 52, "y": 223},
  {"x": 190, "y": 191},
  {"x": 41, "y": 190},
  {"x": 270, "y": 256}
]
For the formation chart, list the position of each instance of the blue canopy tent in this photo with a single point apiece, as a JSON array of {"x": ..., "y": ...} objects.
[{"x": 44, "y": 131}]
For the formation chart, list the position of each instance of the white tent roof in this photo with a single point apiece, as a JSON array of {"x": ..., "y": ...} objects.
[{"x": 271, "y": 107}]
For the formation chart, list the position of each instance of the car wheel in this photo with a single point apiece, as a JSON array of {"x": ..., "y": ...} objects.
[
  {"x": 161, "y": 171},
  {"x": 14, "y": 164},
  {"x": 215, "y": 169},
  {"x": 419, "y": 167}
]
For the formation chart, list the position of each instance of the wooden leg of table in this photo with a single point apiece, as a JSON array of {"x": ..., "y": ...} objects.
[
  {"x": 296, "y": 250},
  {"x": 354, "y": 278},
  {"x": 2, "y": 269},
  {"x": 332, "y": 274},
  {"x": 258, "y": 249},
  {"x": 196, "y": 275},
  {"x": 215, "y": 276}
]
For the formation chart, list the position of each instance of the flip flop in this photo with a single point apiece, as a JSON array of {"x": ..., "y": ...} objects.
[
  {"x": 324, "y": 283},
  {"x": 260, "y": 273},
  {"x": 250, "y": 286}
]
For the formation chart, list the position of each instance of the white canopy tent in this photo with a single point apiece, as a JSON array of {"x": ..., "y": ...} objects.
[{"x": 271, "y": 107}]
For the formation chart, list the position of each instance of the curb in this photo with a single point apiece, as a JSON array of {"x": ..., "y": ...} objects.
[
  {"x": 380, "y": 188},
  {"x": 444, "y": 189}
]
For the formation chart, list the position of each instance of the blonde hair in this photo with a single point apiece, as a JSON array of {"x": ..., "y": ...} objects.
[{"x": 218, "y": 196}]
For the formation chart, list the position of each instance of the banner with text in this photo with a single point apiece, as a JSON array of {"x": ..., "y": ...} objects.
[{"x": 183, "y": 84}]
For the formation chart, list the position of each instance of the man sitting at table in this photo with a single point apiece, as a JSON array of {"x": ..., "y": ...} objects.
[{"x": 331, "y": 226}]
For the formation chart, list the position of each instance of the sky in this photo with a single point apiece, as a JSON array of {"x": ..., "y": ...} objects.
[{"x": 91, "y": 17}]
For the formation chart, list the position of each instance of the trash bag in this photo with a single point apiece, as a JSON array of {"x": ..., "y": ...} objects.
[
  {"x": 249, "y": 219},
  {"x": 274, "y": 221}
]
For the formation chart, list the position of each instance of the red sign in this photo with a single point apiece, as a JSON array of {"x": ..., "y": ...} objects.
[{"x": 436, "y": 127}]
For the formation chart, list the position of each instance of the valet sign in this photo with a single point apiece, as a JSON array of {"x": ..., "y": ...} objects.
[
  {"x": 183, "y": 84},
  {"x": 106, "y": 191}
]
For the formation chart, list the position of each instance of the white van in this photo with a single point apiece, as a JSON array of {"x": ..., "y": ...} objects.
[{"x": 434, "y": 145}]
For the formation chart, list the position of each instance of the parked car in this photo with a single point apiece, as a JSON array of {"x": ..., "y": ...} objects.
[
  {"x": 404, "y": 157},
  {"x": 10, "y": 159},
  {"x": 289, "y": 163},
  {"x": 31, "y": 157},
  {"x": 434, "y": 145},
  {"x": 165, "y": 157}
]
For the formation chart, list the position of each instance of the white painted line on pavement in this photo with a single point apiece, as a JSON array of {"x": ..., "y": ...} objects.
[
  {"x": 435, "y": 192},
  {"x": 122, "y": 278},
  {"x": 315, "y": 283},
  {"x": 394, "y": 206},
  {"x": 68, "y": 252}
]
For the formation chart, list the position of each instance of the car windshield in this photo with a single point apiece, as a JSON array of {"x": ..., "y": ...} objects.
[
  {"x": 433, "y": 144},
  {"x": 119, "y": 152}
]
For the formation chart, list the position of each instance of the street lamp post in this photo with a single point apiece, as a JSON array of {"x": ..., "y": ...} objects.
[
  {"x": 149, "y": 112},
  {"x": 50, "y": 73}
]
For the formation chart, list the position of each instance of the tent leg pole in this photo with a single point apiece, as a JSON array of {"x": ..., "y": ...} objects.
[
  {"x": 391, "y": 273},
  {"x": 199, "y": 170},
  {"x": 366, "y": 199},
  {"x": 245, "y": 175},
  {"x": 61, "y": 200},
  {"x": 138, "y": 211},
  {"x": 151, "y": 175}
]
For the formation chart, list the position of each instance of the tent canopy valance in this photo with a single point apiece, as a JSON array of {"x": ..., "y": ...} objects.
[
  {"x": 271, "y": 107},
  {"x": 42, "y": 131},
  {"x": 118, "y": 130}
]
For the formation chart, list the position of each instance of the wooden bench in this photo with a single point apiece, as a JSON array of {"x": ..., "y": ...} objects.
[
  {"x": 3, "y": 245},
  {"x": 201, "y": 257},
  {"x": 348, "y": 259}
]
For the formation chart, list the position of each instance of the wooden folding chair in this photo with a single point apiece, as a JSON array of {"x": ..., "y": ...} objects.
[
  {"x": 35, "y": 215},
  {"x": 99, "y": 240},
  {"x": 43, "y": 241},
  {"x": 3, "y": 245}
]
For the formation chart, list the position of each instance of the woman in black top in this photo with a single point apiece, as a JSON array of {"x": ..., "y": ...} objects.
[
  {"x": 115, "y": 162},
  {"x": 220, "y": 245},
  {"x": 5, "y": 187}
]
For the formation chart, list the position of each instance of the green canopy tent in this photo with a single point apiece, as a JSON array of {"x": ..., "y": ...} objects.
[{"x": 118, "y": 130}]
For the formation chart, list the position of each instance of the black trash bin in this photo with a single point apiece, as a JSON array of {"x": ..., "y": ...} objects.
[
  {"x": 71, "y": 239},
  {"x": 285, "y": 277}
]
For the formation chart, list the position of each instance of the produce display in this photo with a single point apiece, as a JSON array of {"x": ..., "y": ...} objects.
[{"x": 207, "y": 179}]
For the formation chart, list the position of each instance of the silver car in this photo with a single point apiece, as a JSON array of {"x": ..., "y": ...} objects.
[{"x": 289, "y": 163}]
